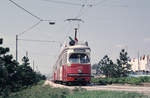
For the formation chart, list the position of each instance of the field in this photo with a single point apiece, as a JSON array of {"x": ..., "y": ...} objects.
[{"x": 40, "y": 91}]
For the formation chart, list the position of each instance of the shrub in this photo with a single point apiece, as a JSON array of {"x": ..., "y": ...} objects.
[
  {"x": 15, "y": 76},
  {"x": 122, "y": 80}
]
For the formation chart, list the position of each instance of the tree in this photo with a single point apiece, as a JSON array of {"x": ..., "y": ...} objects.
[
  {"x": 1, "y": 41},
  {"x": 26, "y": 74},
  {"x": 13, "y": 76},
  {"x": 107, "y": 67},
  {"x": 25, "y": 61},
  {"x": 123, "y": 67},
  {"x": 8, "y": 67},
  {"x": 110, "y": 69}
]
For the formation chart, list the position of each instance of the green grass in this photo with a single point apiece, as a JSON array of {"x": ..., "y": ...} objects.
[
  {"x": 105, "y": 94},
  {"x": 40, "y": 91}
]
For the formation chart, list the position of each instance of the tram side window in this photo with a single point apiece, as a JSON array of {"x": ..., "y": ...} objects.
[{"x": 79, "y": 58}]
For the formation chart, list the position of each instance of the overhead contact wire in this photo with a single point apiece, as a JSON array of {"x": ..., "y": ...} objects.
[
  {"x": 30, "y": 28},
  {"x": 25, "y": 10},
  {"x": 63, "y": 2}
]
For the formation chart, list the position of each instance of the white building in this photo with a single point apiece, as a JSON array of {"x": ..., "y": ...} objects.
[{"x": 141, "y": 64}]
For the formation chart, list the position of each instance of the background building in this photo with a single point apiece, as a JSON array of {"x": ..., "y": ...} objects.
[{"x": 141, "y": 64}]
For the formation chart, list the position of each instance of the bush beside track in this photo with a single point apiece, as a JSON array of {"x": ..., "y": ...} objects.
[
  {"x": 14, "y": 76},
  {"x": 122, "y": 80}
]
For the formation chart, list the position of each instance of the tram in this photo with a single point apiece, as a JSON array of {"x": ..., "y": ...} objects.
[{"x": 73, "y": 64}]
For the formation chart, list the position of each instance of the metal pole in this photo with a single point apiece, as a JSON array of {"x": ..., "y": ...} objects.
[
  {"x": 75, "y": 37},
  {"x": 26, "y": 53},
  {"x": 17, "y": 48}
]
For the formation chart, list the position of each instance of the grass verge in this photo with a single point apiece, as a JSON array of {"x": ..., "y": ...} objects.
[
  {"x": 105, "y": 94},
  {"x": 40, "y": 91}
]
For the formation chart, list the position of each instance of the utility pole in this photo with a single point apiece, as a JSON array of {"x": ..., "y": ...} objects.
[
  {"x": 37, "y": 70},
  {"x": 17, "y": 48},
  {"x": 26, "y": 53}
]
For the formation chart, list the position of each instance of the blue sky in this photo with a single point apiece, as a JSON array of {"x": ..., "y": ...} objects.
[{"x": 108, "y": 27}]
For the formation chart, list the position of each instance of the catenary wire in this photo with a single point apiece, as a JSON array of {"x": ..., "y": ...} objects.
[
  {"x": 25, "y": 10},
  {"x": 30, "y": 28},
  {"x": 31, "y": 40},
  {"x": 64, "y": 2},
  {"x": 37, "y": 17},
  {"x": 86, "y": 6},
  {"x": 100, "y": 2}
]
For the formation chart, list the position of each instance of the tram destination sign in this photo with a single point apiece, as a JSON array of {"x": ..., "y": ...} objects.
[{"x": 79, "y": 50}]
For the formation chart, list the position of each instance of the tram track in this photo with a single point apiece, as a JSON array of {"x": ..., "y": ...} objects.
[{"x": 138, "y": 89}]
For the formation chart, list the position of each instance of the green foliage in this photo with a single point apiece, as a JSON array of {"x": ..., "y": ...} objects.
[
  {"x": 122, "y": 80},
  {"x": 107, "y": 67},
  {"x": 111, "y": 70},
  {"x": 105, "y": 94},
  {"x": 123, "y": 67},
  {"x": 13, "y": 76},
  {"x": 40, "y": 91},
  {"x": 8, "y": 67},
  {"x": 1, "y": 41}
]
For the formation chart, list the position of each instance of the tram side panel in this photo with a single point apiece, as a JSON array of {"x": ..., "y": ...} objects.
[{"x": 64, "y": 74}]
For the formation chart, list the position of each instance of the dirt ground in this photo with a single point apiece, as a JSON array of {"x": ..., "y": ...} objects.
[{"x": 140, "y": 89}]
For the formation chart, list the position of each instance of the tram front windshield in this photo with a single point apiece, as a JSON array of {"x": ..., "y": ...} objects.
[{"x": 79, "y": 58}]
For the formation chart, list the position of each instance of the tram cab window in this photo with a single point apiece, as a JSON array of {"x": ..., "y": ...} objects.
[{"x": 79, "y": 58}]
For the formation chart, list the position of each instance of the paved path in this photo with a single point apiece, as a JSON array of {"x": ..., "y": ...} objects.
[{"x": 139, "y": 89}]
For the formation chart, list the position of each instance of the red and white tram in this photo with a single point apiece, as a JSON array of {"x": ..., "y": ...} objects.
[{"x": 73, "y": 64}]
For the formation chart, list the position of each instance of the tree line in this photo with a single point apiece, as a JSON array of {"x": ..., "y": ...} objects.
[
  {"x": 15, "y": 76},
  {"x": 114, "y": 70}
]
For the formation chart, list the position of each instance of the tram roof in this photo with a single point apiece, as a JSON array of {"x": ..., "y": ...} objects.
[{"x": 77, "y": 45}]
